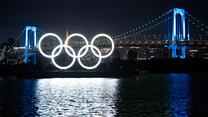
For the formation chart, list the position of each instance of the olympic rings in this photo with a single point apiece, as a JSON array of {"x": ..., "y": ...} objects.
[
  {"x": 99, "y": 60},
  {"x": 47, "y": 35},
  {"x": 72, "y": 54},
  {"x": 108, "y": 37},
  {"x": 73, "y": 61}
]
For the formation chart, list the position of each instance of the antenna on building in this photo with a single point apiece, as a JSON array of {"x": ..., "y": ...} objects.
[{"x": 67, "y": 33}]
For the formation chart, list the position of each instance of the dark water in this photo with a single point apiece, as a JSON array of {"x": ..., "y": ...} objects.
[{"x": 152, "y": 95}]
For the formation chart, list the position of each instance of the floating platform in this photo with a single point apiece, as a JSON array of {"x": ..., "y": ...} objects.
[
  {"x": 124, "y": 69},
  {"x": 118, "y": 69}
]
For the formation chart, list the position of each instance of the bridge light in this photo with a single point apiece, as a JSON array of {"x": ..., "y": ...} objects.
[{"x": 27, "y": 39}]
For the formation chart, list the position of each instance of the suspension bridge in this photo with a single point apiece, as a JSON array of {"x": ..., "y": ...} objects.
[{"x": 175, "y": 31}]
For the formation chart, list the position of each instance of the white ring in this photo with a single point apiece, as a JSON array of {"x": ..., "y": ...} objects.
[
  {"x": 53, "y": 58},
  {"x": 99, "y": 60},
  {"x": 102, "y": 35},
  {"x": 43, "y": 37},
  {"x": 77, "y": 35},
  {"x": 73, "y": 54}
]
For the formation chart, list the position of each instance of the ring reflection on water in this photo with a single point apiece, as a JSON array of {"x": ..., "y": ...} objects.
[
  {"x": 82, "y": 97},
  {"x": 163, "y": 95}
]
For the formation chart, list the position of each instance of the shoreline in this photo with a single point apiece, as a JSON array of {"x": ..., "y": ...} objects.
[{"x": 122, "y": 69}]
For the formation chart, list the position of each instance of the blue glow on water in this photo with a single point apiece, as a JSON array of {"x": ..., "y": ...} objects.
[
  {"x": 29, "y": 98},
  {"x": 179, "y": 95},
  {"x": 162, "y": 95}
]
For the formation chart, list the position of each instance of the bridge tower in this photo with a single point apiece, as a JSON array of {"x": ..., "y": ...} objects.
[
  {"x": 30, "y": 46},
  {"x": 28, "y": 39},
  {"x": 179, "y": 33}
]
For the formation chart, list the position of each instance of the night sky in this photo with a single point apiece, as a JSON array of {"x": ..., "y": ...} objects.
[{"x": 88, "y": 17}]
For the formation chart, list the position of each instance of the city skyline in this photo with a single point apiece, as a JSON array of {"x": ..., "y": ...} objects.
[{"x": 103, "y": 58}]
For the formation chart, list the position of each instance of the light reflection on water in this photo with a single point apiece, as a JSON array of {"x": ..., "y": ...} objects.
[
  {"x": 80, "y": 97},
  {"x": 163, "y": 95},
  {"x": 180, "y": 95}
]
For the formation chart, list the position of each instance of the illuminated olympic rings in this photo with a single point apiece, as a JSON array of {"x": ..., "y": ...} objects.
[{"x": 81, "y": 53}]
